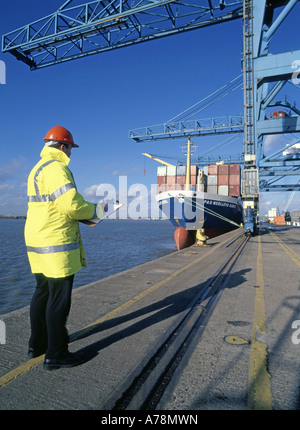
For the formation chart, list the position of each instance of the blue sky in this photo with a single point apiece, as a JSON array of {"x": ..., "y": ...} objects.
[{"x": 100, "y": 98}]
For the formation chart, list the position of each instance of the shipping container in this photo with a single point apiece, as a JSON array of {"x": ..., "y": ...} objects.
[
  {"x": 249, "y": 182},
  {"x": 212, "y": 169},
  {"x": 213, "y": 189},
  {"x": 171, "y": 180},
  {"x": 234, "y": 180},
  {"x": 234, "y": 190},
  {"x": 170, "y": 187},
  {"x": 161, "y": 180},
  {"x": 162, "y": 171},
  {"x": 180, "y": 180},
  {"x": 171, "y": 170},
  {"x": 174, "y": 187},
  {"x": 194, "y": 170},
  {"x": 161, "y": 188},
  {"x": 180, "y": 170},
  {"x": 193, "y": 179},
  {"x": 234, "y": 169},
  {"x": 223, "y": 169},
  {"x": 223, "y": 190},
  {"x": 223, "y": 180},
  {"x": 212, "y": 180},
  {"x": 279, "y": 220}
]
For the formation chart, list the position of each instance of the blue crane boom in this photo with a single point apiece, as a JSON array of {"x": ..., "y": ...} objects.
[
  {"x": 97, "y": 26},
  {"x": 197, "y": 127}
]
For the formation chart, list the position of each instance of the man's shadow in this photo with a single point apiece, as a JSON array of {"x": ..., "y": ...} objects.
[{"x": 158, "y": 311}]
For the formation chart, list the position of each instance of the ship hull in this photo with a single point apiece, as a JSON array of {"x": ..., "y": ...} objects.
[{"x": 194, "y": 210}]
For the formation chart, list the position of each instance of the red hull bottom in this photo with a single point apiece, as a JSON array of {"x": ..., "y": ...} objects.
[{"x": 185, "y": 238}]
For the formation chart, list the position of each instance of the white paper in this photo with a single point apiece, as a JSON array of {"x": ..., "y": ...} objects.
[{"x": 112, "y": 207}]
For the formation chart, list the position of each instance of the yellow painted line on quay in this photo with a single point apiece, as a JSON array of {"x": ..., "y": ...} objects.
[
  {"x": 288, "y": 250},
  {"x": 259, "y": 379},
  {"x": 30, "y": 364}
]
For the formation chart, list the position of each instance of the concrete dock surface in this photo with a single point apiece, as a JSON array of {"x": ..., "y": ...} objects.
[
  {"x": 249, "y": 354},
  {"x": 246, "y": 355}
]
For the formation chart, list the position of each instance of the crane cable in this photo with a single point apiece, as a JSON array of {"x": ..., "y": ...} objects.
[{"x": 215, "y": 93}]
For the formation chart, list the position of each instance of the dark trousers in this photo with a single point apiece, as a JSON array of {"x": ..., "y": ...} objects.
[{"x": 49, "y": 310}]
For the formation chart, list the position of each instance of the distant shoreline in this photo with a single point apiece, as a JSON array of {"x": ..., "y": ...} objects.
[
  {"x": 13, "y": 216},
  {"x": 110, "y": 219}
]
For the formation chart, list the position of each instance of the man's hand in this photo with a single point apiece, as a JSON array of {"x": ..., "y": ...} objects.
[{"x": 100, "y": 209}]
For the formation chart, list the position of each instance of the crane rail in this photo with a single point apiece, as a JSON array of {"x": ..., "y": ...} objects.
[{"x": 149, "y": 385}]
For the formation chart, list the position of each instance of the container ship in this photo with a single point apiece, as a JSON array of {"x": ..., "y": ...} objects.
[{"x": 200, "y": 203}]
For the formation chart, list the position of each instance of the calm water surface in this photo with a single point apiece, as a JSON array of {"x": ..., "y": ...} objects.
[{"x": 110, "y": 247}]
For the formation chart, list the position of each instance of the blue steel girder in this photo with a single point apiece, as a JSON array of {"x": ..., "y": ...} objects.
[
  {"x": 98, "y": 26},
  {"x": 279, "y": 188},
  {"x": 204, "y": 160},
  {"x": 272, "y": 176},
  {"x": 289, "y": 157},
  {"x": 270, "y": 73},
  {"x": 198, "y": 127}
]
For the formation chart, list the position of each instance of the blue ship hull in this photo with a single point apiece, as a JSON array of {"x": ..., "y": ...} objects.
[{"x": 195, "y": 210}]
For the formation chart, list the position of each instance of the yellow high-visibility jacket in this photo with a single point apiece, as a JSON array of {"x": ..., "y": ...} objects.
[{"x": 52, "y": 235}]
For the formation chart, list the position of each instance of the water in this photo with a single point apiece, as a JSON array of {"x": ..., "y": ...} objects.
[{"x": 111, "y": 247}]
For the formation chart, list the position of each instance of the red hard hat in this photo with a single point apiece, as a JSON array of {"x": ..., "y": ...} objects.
[{"x": 60, "y": 134}]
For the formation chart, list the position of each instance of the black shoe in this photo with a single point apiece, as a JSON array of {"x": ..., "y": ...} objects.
[
  {"x": 70, "y": 360},
  {"x": 33, "y": 353}
]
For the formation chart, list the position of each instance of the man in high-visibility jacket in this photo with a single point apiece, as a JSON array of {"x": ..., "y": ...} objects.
[{"x": 54, "y": 247}]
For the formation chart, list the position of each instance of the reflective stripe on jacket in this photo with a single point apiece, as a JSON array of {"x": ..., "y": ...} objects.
[{"x": 52, "y": 235}]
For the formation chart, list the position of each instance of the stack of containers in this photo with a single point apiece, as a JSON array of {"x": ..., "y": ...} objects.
[
  {"x": 180, "y": 177},
  {"x": 194, "y": 172},
  {"x": 171, "y": 177},
  {"x": 161, "y": 179},
  {"x": 212, "y": 179},
  {"x": 219, "y": 180},
  {"x": 279, "y": 220},
  {"x": 234, "y": 180},
  {"x": 174, "y": 177},
  {"x": 223, "y": 179}
]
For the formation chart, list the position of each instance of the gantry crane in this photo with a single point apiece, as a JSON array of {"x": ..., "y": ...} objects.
[{"x": 98, "y": 26}]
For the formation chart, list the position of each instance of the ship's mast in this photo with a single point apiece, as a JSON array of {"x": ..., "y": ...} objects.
[{"x": 188, "y": 165}]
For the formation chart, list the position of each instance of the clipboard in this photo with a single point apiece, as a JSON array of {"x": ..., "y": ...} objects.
[{"x": 112, "y": 207}]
